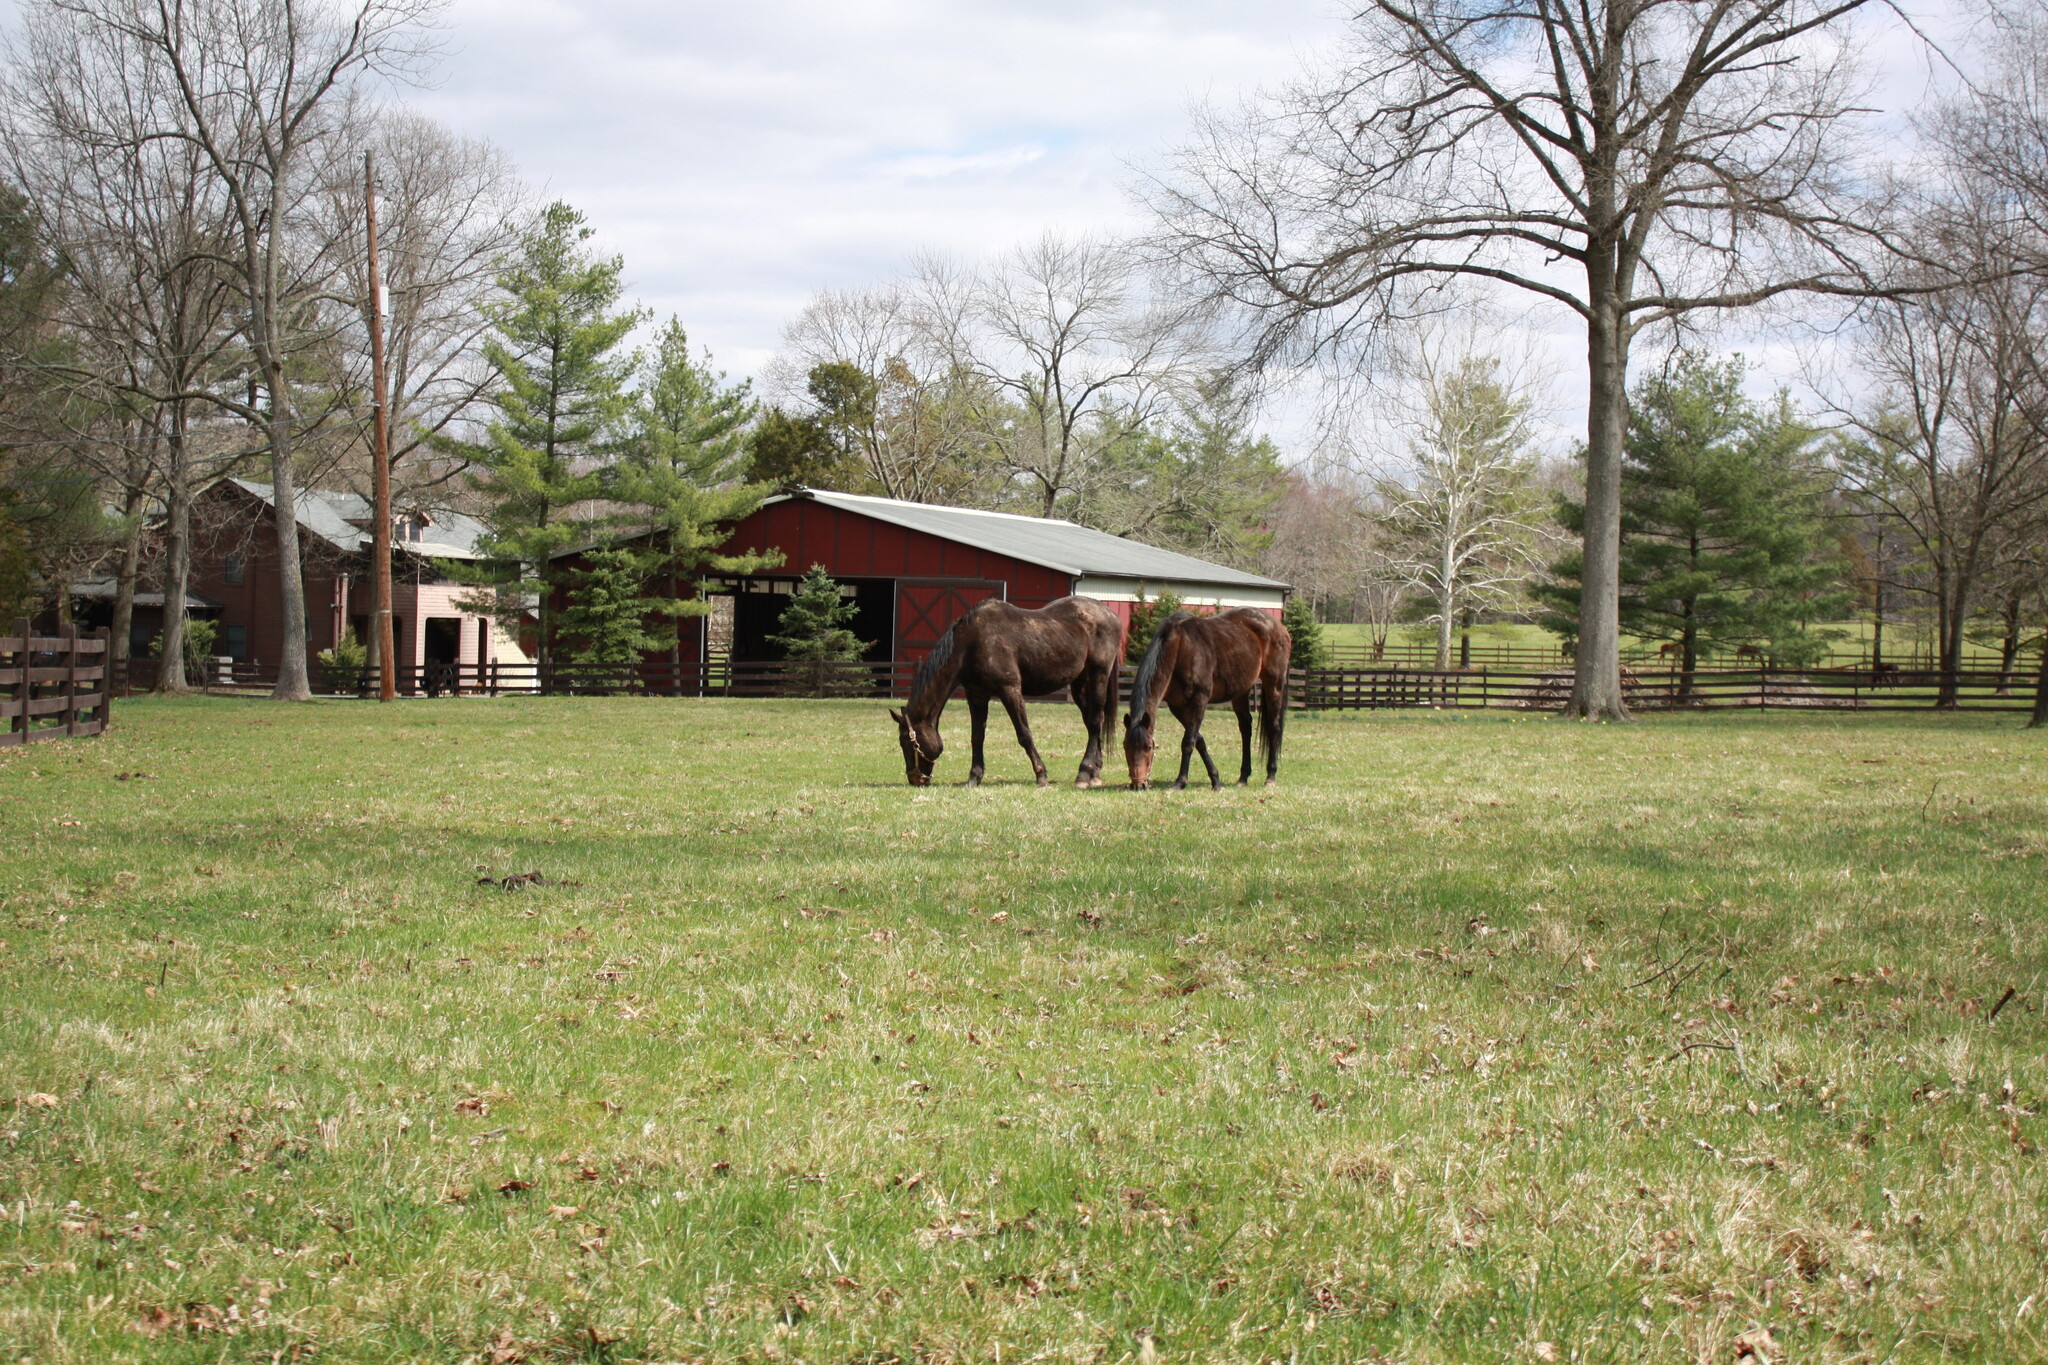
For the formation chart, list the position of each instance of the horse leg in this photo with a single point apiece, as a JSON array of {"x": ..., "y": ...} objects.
[
  {"x": 1088, "y": 699},
  {"x": 977, "y": 714},
  {"x": 1013, "y": 702},
  {"x": 1243, "y": 707},
  {"x": 1191, "y": 740}
]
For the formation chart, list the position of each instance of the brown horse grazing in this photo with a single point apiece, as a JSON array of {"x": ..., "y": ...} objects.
[
  {"x": 997, "y": 650},
  {"x": 1195, "y": 660}
]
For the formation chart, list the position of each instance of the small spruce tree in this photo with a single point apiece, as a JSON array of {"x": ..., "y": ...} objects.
[
  {"x": 1300, "y": 619},
  {"x": 815, "y": 635},
  {"x": 610, "y": 616},
  {"x": 1145, "y": 619},
  {"x": 341, "y": 668}
]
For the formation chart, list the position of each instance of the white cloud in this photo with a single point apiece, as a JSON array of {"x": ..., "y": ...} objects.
[{"x": 744, "y": 155}]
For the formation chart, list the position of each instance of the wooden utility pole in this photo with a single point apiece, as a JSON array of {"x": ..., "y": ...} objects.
[{"x": 380, "y": 457}]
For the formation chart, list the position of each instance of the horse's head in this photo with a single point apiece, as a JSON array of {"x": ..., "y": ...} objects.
[
  {"x": 1138, "y": 748},
  {"x": 921, "y": 747}
]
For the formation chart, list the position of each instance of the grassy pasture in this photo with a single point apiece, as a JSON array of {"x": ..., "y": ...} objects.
[
  {"x": 1481, "y": 1038},
  {"x": 1904, "y": 643}
]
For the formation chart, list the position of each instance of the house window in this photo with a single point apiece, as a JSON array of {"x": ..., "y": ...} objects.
[
  {"x": 235, "y": 642},
  {"x": 231, "y": 570}
]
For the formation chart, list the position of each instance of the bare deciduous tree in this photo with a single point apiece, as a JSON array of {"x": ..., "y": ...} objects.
[
  {"x": 1063, "y": 332},
  {"x": 450, "y": 209},
  {"x": 149, "y": 309},
  {"x": 917, "y": 431},
  {"x": 1632, "y": 161},
  {"x": 262, "y": 90},
  {"x": 1954, "y": 450},
  {"x": 1459, "y": 501}
]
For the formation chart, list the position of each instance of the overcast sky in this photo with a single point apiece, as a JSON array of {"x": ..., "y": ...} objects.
[{"x": 743, "y": 154}]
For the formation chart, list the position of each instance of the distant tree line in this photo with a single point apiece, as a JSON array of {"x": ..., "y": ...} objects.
[{"x": 182, "y": 295}]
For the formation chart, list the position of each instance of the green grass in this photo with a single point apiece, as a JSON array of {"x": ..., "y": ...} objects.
[
  {"x": 1483, "y": 1037},
  {"x": 1903, "y": 643}
]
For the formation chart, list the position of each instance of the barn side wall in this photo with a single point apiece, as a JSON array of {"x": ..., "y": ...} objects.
[{"x": 227, "y": 521}]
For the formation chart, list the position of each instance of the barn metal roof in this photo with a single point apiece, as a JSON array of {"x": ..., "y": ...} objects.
[
  {"x": 1062, "y": 545},
  {"x": 333, "y": 516}
]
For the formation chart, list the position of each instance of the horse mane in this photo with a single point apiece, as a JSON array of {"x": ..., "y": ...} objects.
[
  {"x": 929, "y": 667},
  {"x": 1141, "y": 689}
]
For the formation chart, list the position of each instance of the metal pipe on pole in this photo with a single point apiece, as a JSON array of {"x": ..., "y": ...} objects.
[{"x": 380, "y": 457}]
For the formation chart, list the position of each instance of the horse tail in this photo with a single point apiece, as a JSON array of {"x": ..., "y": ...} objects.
[
  {"x": 1143, "y": 712},
  {"x": 1273, "y": 679}
]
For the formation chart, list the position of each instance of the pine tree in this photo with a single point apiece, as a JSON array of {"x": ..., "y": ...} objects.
[
  {"x": 684, "y": 472},
  {"x": 610, "y": 616},
  {"x": 554, "y": 344},
  {"x": 822, "y": 449},
  {"x": 1299, "y": 616},
  {"x": 1723, "y": 541},
  {"x": 815, "y": 635},
  {"x": 1202, "y": 481}
]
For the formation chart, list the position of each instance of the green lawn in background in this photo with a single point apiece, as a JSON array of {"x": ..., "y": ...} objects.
[
  {"x": 1903, "y": 644},
  {"x": 1482, "y": 1037}
]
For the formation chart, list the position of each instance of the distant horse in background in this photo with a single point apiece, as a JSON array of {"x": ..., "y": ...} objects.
[
  {"x": 1195, "y": 660},
  {"x": 1009, "y": 653}
]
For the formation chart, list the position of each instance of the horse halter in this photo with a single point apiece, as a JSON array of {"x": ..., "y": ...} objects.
[{"x": 916, "y": 745}]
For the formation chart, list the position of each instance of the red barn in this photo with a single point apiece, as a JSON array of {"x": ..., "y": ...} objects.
[{"x": 913, "y": 568}]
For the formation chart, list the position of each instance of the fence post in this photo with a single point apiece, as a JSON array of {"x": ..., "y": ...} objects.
[
  {"x": 106, "y": 707},
  {"x": 22, "y": 688},
  {"x": 1763, "y": 687},
  {"x": 69, "y": 714}
]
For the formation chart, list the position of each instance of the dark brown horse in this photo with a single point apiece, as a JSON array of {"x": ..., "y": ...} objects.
[
  {"x": 1009, "y": 653},
  {"x": 1195, "y": 660}
]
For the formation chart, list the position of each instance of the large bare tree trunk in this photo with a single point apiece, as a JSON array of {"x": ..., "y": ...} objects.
[
  {"x": 170, "y": 669},
  {"x": 1955, "y": 616},
  {"x": 1596, "y": 683},
  {"x": 1445, "y": 600},
  {"x": 2040, "y": 717},
  {"x": 124, "y": 587},
  {"x": 293, "y": 681}
]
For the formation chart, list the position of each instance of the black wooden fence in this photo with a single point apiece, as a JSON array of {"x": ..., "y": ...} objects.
[
  {"x": 1756, "y": 687},
  {"x": 53, "y": 686}
]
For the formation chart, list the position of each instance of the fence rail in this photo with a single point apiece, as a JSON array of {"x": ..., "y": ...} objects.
[
  {"x": 1756, "y": 687},
  {"x": 1383, "y": 686},
  {"x": 53, "y": 686},
  {"x": 1416, "y": 654}
]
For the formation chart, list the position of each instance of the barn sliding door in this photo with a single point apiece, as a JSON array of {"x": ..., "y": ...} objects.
[{"x": 926, "y": 606}]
